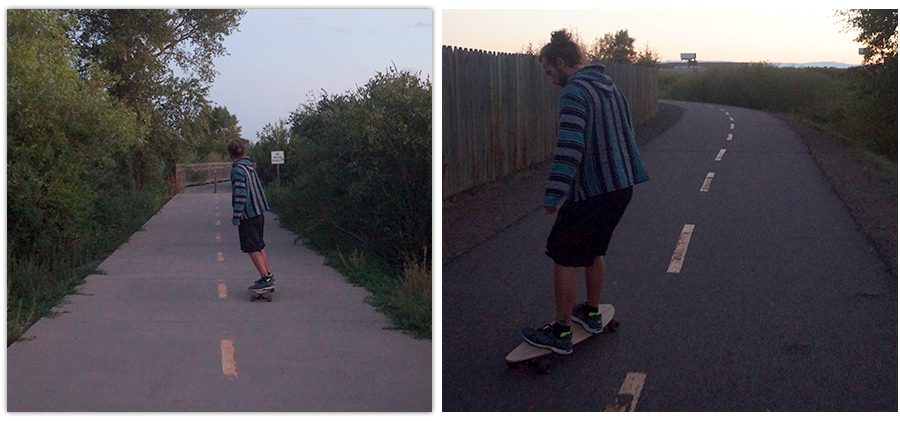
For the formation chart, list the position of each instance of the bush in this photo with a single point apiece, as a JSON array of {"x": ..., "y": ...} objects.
[
  {"x": 356, "y": 186},
  {"x": 75, "y": 161},
  {"x": 358, "y": 168}
]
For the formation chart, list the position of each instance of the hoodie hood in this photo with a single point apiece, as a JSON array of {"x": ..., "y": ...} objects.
[{"x": 594, "y": 73}]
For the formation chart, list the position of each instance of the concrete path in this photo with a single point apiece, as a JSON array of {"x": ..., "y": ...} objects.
[{"x": 170, "y": 327}]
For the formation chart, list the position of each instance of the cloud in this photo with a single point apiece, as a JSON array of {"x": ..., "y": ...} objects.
[{"x": 419, "y": 24}]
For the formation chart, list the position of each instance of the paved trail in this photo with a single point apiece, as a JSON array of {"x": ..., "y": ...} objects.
[
  {"x": 170, "y": 327},
  {"x": 741, "y": 281}
]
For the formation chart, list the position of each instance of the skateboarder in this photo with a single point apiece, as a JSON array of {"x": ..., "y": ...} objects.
[
  {"x": 249, "y": 202},
  {"x": 595, "y": 165}
]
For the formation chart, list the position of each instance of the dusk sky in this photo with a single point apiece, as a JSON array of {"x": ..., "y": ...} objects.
[
  {"x": 778, "y": 36},
  {"x": 282, "y": 58}
]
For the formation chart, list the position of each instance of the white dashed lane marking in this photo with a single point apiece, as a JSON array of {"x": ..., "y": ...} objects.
[
  {"x": 709, "y": 177},
  {"x": 681, "y": 249},
  {"x": 720, "y": 155}
]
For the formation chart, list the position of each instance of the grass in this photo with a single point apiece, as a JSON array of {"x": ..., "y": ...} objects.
[
  {"x": 33, "y": 290},
  {"x": 403, "y": 295},
  {"x": 37, "y": 284}
]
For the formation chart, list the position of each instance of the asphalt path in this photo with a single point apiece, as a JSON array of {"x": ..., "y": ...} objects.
[
  {"x": 169, "y": 326},
  {"x": 779, "y": 304}
]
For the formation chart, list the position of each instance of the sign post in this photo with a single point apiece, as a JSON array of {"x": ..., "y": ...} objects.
[{"x": 278, "y": 159}]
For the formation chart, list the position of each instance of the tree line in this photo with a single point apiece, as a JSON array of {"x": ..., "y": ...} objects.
[{"x": 614, "y": 47}]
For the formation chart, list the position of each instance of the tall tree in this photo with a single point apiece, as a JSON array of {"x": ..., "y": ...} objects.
[{"x": 137, "y": 46}]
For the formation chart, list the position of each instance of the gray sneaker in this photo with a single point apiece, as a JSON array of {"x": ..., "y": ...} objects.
[
  {"x": 591, "y": 322},
  {"x": 264, "y": 283},
  {"x": 546, "y": 338}
]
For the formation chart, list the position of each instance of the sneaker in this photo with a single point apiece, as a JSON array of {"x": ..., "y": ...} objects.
[
  {"x": 545, "y": 337},
  {"x": 266, "y": 282},
  {"x": 591, "y": 322}
]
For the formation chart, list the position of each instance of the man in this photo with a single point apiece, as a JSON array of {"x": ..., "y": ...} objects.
[
  {"x": 595, "y": 165},
  {"x": 249, "y": 202}
]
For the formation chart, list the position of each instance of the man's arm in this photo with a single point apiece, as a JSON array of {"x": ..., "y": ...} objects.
[
  {"x": 238, "y": 194},
  {"x": 569, "y": 148}
]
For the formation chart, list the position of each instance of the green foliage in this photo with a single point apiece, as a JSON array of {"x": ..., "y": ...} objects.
[
  {"x": 614, "y": 48},
  {"x": 85, "y": 169},
  {"x": 357, "y": 178},
  {"x": 135, "y": 48},
  {"x": 859, "y": 103},
  {"x": 358, "y": 167},
  {"x": 69, "y": 146}
]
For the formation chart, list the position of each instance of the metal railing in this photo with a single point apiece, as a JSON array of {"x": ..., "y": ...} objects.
[{"x": 205, "y": 173}]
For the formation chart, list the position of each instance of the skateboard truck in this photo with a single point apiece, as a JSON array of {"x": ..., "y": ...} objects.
[{"x": 261, "y": 294}]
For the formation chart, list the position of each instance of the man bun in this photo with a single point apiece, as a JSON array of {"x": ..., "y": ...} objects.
[{"x": 562, "y": 46}]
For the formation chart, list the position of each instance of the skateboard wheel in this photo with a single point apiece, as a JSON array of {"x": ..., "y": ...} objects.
[{"x": 613, "y": 325}]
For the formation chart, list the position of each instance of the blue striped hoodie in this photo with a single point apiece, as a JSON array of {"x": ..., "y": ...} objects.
[
  {"x": 596, "y": 151},
  {"x": 247, "y": 197}
]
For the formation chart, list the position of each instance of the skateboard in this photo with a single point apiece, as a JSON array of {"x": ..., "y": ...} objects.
[
  {"x": 262, "y": 294},
  {"x": 532, "y": 355}
]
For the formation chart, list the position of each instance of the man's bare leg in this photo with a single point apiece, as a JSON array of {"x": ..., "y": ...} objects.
[
  {"x": 566, "y": 291},
  {"x": 593, "y": 278},
  {"x": 260, "y": 261}
]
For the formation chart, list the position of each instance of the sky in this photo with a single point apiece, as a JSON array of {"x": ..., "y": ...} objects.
[
  {"x": 777, "y": 36},
  {"x": 284, "y": 58}
]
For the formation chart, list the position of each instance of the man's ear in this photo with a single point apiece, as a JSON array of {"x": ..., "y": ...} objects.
[{"x": 560, "y": 63}]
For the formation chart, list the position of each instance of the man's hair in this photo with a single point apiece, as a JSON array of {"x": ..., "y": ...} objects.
[
  {"x": 562, "y": 46},
  {"x": 236, "y": 148}
]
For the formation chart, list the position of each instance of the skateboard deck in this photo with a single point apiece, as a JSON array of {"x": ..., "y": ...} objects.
[
  {"x": 527, "y": 353},
  {"x": 262, "y": 294}
]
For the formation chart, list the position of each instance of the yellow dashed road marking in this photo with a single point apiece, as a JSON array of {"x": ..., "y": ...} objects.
[
  {"x": 220, "y": 256},
  {"x": 229, "y": 367}
]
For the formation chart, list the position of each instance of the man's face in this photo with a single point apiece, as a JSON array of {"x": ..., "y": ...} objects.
[{"x": 556, "y": 73}]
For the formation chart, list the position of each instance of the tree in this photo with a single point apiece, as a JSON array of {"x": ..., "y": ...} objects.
[
  {"x": 70, "y": 166},
  {"x": 877, "y": 30},
  {"x": 137, "y": 46},
  {"x": 647, "y": 57},
  {"x": 615, "y": 48}
]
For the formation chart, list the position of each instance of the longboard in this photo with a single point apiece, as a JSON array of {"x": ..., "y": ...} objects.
[
  {"x": 262, "y": 294},
  {"x": 527, "y": 353}
]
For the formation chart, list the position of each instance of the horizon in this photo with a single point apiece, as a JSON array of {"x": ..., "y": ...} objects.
[{"x": 776, "y": 36}]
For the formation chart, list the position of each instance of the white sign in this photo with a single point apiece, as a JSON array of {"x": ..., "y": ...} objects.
[
  {"x": 688, "y": 56},
  {"x": 278, "y": 157}
]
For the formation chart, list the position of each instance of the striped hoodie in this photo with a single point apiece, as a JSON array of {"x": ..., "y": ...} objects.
[
  {"x": 596, "y": 152},
  {"x": 247, "y": 196}
]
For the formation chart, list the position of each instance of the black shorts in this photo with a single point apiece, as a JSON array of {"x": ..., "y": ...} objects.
[
  {"x": 583, "y": 229},
  {"x": 251, "y": 233}
]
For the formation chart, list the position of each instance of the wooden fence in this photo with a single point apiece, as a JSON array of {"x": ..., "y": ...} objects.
[{"x": 499, "y": 113}]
